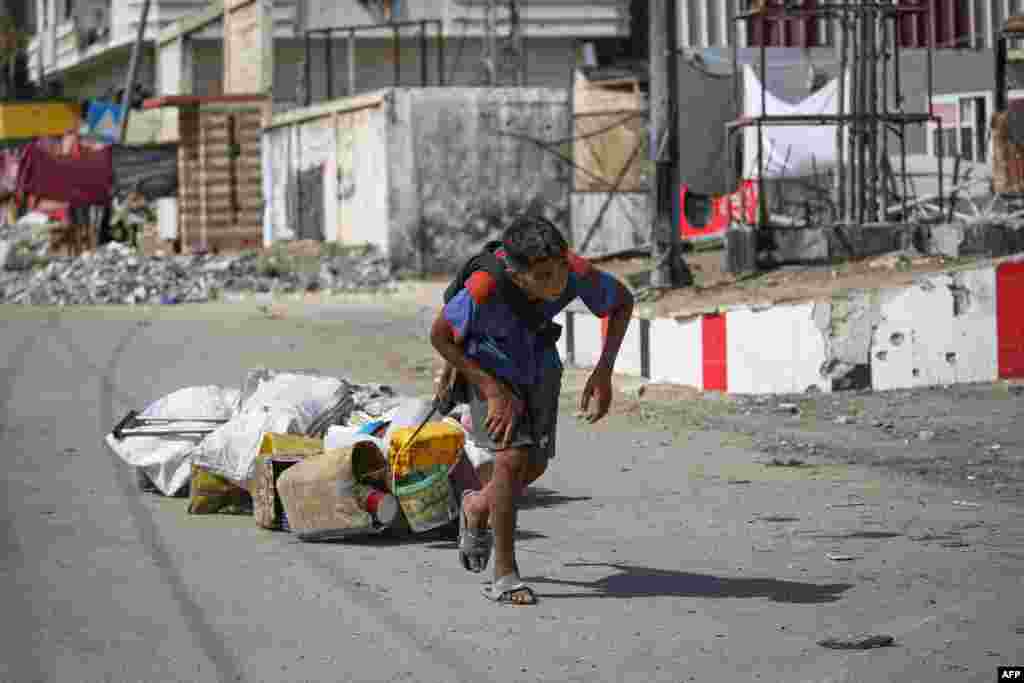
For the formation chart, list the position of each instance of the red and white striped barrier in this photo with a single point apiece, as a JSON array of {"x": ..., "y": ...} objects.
[{"x": 947, "y": 328}]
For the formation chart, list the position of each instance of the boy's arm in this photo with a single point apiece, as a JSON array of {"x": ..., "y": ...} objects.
[
  {"x": 502, "y": 406},
  {"x": 618, "y": 323},
  {"x": 599, "y": 384}
]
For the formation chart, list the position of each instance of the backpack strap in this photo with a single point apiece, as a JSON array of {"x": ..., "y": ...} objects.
[{"x": 488, "y": 262}]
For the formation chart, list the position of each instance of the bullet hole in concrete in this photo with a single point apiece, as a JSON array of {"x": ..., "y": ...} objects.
[
  {"x": 859, "y": 377},
  {"x": 896, "y": 338},
  {"x": 961, "y": 299},
  {"x": 951, "y": 358},
  {"x": 881, "y": 355},
  {"x": 916, "y": 372}
]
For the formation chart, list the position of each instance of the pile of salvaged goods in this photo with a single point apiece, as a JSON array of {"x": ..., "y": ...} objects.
[{"x": 321, "y": 457}]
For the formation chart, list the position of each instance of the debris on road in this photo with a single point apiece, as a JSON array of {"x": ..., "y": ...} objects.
[
  {"x": 840, "y": 557},
  {"x": 863, "y": 641},
  {"x": 792, "y": 462}
]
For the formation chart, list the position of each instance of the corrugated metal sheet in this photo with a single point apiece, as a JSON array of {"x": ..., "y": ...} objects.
[{"x": 151, "y": 170}]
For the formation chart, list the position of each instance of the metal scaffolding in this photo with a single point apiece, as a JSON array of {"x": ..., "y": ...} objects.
[{"x": 870, "y": 63}]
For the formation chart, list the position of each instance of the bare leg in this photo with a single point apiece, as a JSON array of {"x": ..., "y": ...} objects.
[{"x": 504, "y": 483}]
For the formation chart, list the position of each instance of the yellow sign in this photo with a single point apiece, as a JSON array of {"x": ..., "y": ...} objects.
[{"x": 38, "y": 119}]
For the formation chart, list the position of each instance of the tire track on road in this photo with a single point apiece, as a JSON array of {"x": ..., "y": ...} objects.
[
  {"x": 20, "y": 608},
  {"x": 206, "y": 637}
]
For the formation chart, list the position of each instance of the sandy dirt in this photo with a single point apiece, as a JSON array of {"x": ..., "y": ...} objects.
[{"x": 715, "y": 288}]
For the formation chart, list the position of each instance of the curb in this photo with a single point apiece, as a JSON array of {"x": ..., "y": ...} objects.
[{"x": 956, "y": 327}]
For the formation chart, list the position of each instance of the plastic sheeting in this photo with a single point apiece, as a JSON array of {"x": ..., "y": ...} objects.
[
  {"x": 167, "y": 460},
  {"x": 286, "y": 402},
  {"x": 789, "y": 151},
  {"x": 151, "y": 170}
]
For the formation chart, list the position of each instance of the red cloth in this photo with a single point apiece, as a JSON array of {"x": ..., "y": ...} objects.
[{"x": 84, "y": 181}]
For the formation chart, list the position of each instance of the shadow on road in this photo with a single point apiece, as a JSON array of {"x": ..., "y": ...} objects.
[
  {"x": 641, "y": 582},
  {"x": 444, "y": 538},
  {"x": 542, "y": 499}
]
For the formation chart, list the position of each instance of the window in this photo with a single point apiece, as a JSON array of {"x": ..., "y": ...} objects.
[
  {"x": 805, "y": 31},
  {"x": 950, "y": 23},
  {"x": 965, "y": 129}
]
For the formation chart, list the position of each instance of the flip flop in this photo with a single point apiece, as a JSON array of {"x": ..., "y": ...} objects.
[
  {"x": 502, "y": 590},
  {"x": 474, "y": 544}
]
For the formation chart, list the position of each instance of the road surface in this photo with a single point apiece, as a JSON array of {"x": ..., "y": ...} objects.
[{"x": 660, "y": 546}]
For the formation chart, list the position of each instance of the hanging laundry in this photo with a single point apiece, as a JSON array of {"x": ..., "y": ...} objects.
[
  {"x": 789, "y": 150},
  {"x": 150, "y": 170},
  {"x": 9, "y": 170},
  {"x": 87, "y": 180}
]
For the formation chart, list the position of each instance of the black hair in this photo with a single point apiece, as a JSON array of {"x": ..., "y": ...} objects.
[{"x": 529, "y": 239}]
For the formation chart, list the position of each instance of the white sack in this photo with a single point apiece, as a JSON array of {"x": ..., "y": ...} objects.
[
  {"x": 167, "y": 460},
  {"x": 284, "y": 403},
  {"x": 789, "y": 151}
]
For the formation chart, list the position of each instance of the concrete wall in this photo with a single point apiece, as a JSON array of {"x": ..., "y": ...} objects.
[
  {"x": 942, "y": 331},
  {"x": 301, "y": 168},
  {"x": 109, "y": 73},
  {"x": 461, "y": 170}
]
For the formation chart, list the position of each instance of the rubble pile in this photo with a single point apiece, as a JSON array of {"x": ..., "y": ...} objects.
[{"x": 117, "y": 274}]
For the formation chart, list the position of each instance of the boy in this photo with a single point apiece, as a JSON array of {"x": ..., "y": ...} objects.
[{"x": 514, "y": 375}]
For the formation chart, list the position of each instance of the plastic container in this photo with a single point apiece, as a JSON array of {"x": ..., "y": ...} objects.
[
  {"x": 437, "y": 444},
  {"x": 381, "y": 505},
  {"x": 347, "y": 437},
  {"x": 426, "y": 499},
  {"x": 319, "y": 494}
]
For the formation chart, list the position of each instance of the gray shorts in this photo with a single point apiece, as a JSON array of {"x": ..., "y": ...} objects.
[{"x": 535, "y": 429}]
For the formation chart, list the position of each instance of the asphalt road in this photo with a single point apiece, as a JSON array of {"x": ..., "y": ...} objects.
[{"x": 656, "y": 558}]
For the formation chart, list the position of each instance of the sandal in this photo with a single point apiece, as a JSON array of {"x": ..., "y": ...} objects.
[
  {"x": 502, "y": 590},
  {"x": 474, "y": 544}
]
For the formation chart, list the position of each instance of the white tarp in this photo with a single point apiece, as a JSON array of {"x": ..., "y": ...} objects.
[
  {"x": 282, "y": 403},
  {"x": 167, "y": 460},
  {"x": 790, "y": 150}
]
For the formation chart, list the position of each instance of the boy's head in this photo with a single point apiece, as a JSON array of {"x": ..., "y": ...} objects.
[{"x": 535, "y": 254}]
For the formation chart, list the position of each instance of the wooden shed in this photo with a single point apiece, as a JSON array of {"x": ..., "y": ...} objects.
[{"x": 220, "y": 195}]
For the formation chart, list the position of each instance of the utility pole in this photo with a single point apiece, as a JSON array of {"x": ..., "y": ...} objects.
[
  {"x": 133, "y": 69},
  {"x": 670, "y": 269}
]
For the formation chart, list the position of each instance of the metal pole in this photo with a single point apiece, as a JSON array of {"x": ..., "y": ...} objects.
[
  {"x": 440, "y": 53},
  {"x": 840, "y": 125},
  {"x": 309, "y": 69},
  {"x": 329, "y": 62},
  {"x": 397, "y": 54},
  {"x": 884, "y": 23},
  {"x": 352, "y": 62},
  {"x": 664, "y": 235},
  {"x": 423, "y": 54},
  {"x": 931, "y": 53},
  {"x": 762, "y": 201},
  {"x": 871, "y": 18},
  {"x": 133, "y": 68},
  {"x": 898, "y": 85},
  {"x": 862, "y": 147},
  {"x": 850, "y": 200}
]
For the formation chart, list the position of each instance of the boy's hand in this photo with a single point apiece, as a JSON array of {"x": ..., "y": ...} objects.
[
  {"x": 599, "y": 387},
  {"x": 503, "y": 409},
  {"x": 443, "y": 381}
]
